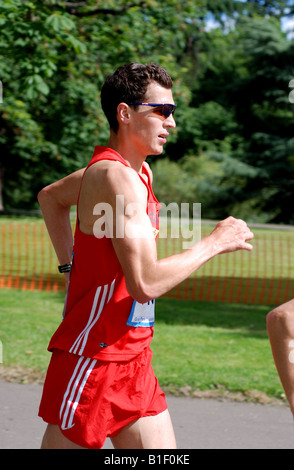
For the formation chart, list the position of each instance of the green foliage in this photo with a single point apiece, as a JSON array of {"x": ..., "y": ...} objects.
[
  {"x": 204, "y": 179},
  {"x": 243, "y": 117},
  {"x": 53, "y": 63},
  {"x": 232, "y": 149}
]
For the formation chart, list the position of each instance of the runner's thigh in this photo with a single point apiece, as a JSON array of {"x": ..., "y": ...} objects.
[
  {"x": 54, "y": 439},
  {"x": 150, "y": 432}
]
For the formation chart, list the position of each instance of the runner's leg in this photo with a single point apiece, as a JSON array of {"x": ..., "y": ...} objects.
[
  {"x": 150, "y": 432},
  {"x": 280, "y": 327},
  {"x": 54, "y": 439}
]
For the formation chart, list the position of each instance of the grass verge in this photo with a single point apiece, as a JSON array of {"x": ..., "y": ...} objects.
[{"x": 204, "y": 349}]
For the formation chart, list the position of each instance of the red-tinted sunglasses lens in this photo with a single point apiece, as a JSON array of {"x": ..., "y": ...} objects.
[{"x": 165, "y": 110}]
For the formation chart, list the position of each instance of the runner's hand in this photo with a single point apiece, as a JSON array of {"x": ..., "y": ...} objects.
[{"x": 231, "y": 235}]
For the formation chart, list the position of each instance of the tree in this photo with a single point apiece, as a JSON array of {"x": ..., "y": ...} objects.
[
  {"x": 54, "y": 58},
  {"x": 267, "y": 117},
  {"x": 245, "y": 116},
  {"x": 38, "y": 70}
]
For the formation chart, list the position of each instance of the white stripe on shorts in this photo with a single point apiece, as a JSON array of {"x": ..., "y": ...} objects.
[{"x": 74, "y": 391}]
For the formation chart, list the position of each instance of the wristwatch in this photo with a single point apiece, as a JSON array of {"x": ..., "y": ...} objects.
[{"x": 64, "y": 268}]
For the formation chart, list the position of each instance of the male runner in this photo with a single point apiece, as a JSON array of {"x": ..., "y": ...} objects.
[{"x": 100, "y": 382}]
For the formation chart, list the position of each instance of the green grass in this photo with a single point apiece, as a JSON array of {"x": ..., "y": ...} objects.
[
  {"x": 196, "y": 345},
  {"x": 210, "y": 346},
  {"x": 272, "y": 251},
  {"x": 27, "y": 321}
]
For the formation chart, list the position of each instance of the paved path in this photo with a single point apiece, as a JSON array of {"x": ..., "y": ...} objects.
[{"x": 198, "y": 423}]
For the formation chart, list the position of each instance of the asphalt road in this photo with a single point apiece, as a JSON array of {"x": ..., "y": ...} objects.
[{"x": 198, "y": 423}]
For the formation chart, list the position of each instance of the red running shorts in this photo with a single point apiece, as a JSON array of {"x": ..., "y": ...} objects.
[{"x": 91, "y": 400}]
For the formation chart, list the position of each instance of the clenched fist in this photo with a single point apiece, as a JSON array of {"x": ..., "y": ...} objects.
[{"x": 231, "y": 235}]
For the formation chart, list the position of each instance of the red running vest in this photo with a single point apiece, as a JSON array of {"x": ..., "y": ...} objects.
[{"x": 101, "y": 320}]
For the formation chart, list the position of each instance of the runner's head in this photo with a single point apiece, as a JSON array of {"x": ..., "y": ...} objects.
[{"x": 129, "y": 84}]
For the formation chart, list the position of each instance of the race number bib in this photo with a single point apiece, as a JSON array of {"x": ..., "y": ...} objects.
[{"x": 142, "y": 314}]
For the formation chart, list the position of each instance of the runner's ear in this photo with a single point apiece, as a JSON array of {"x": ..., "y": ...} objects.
[{"x": 123, "y": 113}]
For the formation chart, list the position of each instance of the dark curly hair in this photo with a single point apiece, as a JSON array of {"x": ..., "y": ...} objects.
[{"x": 128, "y": 84}]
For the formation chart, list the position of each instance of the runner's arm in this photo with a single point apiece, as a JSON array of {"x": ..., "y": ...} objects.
[
  {"x": 55, "y": 201},
  {"x": 146, "y": 276}
]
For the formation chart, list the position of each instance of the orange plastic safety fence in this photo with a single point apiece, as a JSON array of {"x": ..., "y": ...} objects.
[
  {"x": 28, "y": 260},
  {"x": 263, "y": 276}
]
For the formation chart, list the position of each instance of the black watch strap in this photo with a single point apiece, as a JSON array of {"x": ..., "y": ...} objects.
[{"x": 64, "y": 268}]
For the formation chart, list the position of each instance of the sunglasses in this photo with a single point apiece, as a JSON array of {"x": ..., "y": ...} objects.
[{"x": 163, "y": 109}]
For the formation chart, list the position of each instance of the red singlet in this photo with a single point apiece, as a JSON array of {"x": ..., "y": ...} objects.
[{"x": 101, "y": 320}]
